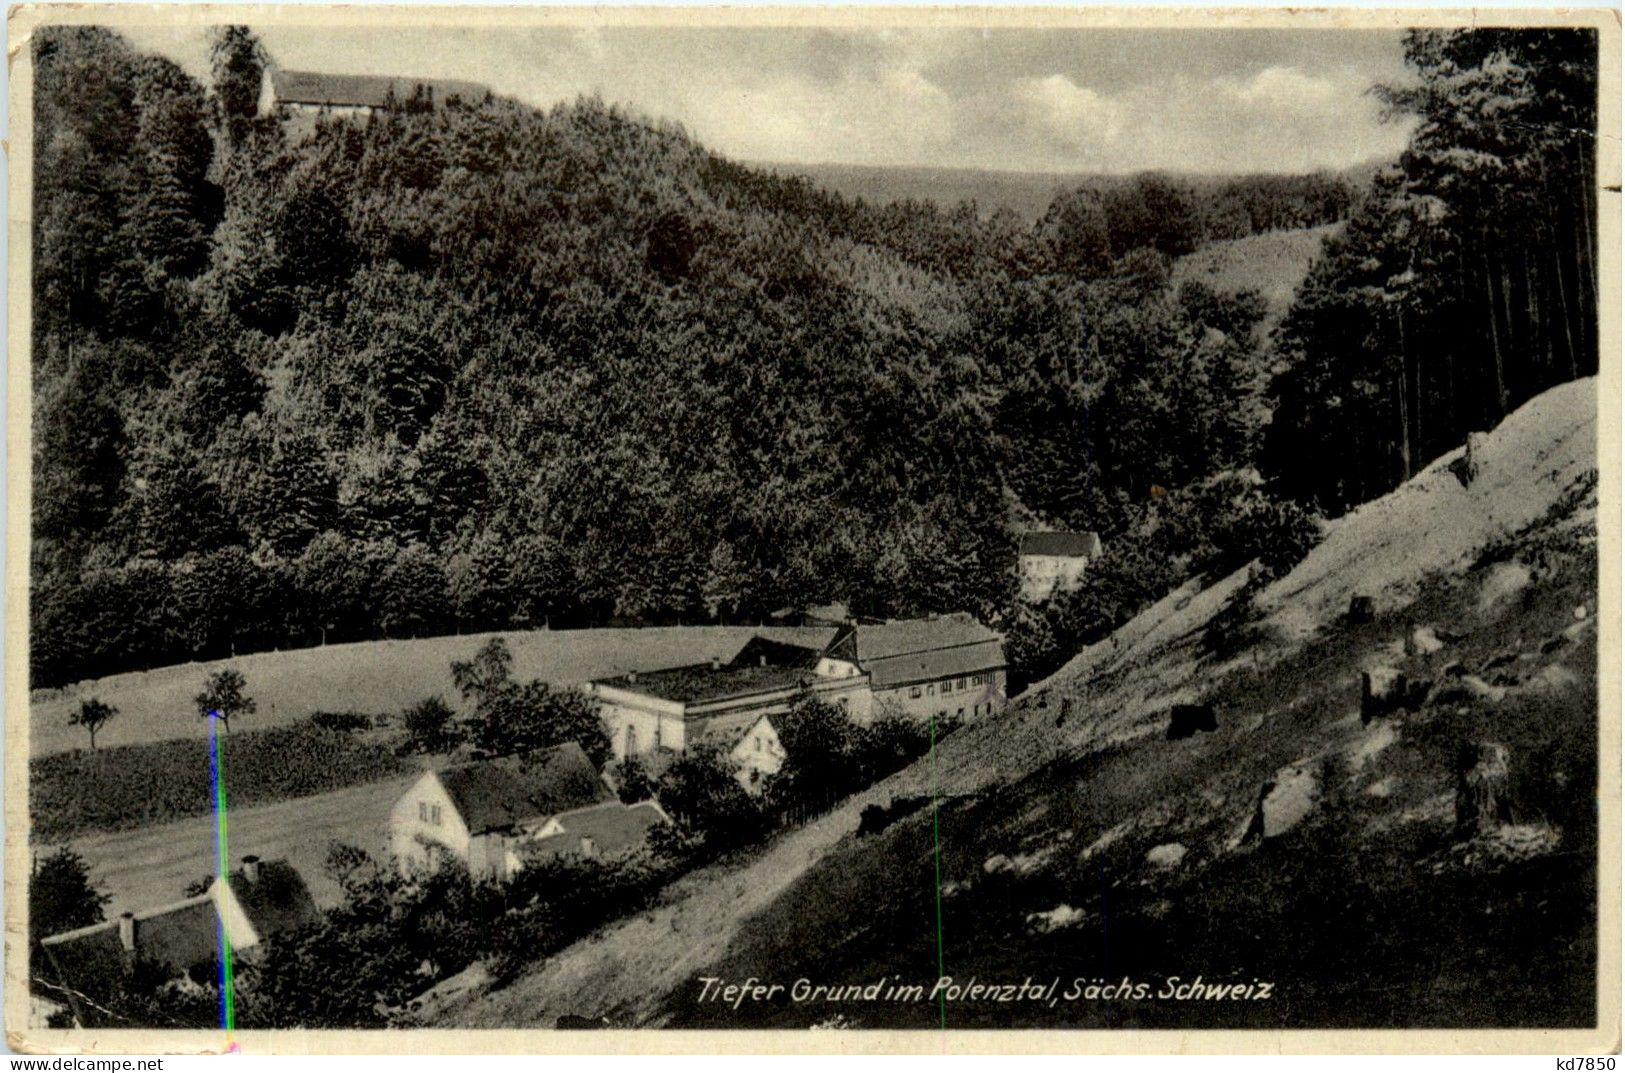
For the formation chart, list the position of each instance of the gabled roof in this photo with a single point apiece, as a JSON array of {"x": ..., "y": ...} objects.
[
  {"x": 915, "y": 635},
  {"x": 366, "y": 91},
  {"x": 88, "y": 960},
  {"x": 276, "y": 899},
  {"x": 180, "y": 935},
  {"x": 1071, "y": 545},
  {"x": 760, "y": 650},
  {"x": 918, "y": 650},
  {"x": 496, "y": 794},
  {"x": 613, "y": 827},
  {"x": 729, "y": 734},
  {"x": 172, "y": 937}
]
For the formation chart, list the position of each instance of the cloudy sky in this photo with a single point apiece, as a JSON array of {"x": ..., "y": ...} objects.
[{"x": 1086, "y": 100}]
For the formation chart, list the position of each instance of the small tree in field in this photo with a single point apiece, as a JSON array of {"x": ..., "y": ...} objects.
[
  {"x": 223, "y": 697},
  {"x": 93, "y": 714},
  {"x": 429, "y": 724}
]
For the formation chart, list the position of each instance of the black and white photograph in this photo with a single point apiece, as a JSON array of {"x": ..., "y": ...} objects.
[{"x": 602, "y": 525}]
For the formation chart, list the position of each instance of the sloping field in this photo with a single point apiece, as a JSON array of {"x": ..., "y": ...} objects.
[
  {"x": 1076, "y": 842},
  {"x": 152, "y": 866},
  {"x": 1272, "y": 263},
  {"x": 370, "y": 676}
]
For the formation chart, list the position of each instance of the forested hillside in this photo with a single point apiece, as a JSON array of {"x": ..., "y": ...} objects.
[
  {"x": 1465, "y": 285},
  {"x": 486, "y": 366}
]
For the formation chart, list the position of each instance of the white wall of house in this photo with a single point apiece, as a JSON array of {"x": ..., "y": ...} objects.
[
  {"x": 758, "y": 754},
  {"x": 637, "y": 723},
  {"x": 1042, "y": 576},
  {"x": 239, "y": 929},
  {"x": 425, "y": 813},
  {"x": 965, "y": 697},
  {"x": 830, "y": 667}
]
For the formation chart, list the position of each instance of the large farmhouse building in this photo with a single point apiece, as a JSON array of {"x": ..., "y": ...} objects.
[
  {"x": 297, "y": 92},
  {"x": 948, "y": 667},
  {"x": 1054, "y": 562},
  {"x": 499, "y": 815},
  {"x": 678, "y": 707}
]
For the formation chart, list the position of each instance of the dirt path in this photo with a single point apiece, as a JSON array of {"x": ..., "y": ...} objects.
[{"x": 152, "y": 865}]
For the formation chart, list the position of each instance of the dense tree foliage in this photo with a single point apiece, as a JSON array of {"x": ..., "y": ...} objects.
[
  {"x": 1464, "y": 285},
  {"x": 484, "y": 366},
  {"x": 512, "y": 717}
]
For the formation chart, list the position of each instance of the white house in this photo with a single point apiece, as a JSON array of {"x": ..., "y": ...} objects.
[
  {"x": 498, "y": 815},
  {"x": 675, "y": 707},
  {"x": 1055, "y": 562},
  {"x": 756, "y": 752}
]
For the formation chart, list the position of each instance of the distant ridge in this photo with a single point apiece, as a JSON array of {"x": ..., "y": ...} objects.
[{"x": 1026, "y": 193}]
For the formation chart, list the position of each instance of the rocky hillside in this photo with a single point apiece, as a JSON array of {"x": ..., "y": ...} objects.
[{"x": 1425, "y": 857}]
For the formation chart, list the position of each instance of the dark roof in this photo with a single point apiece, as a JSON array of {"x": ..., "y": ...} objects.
[
  {"x": 980, "y": 658},
  {"x": 89, "y": 960},
  {"x": 729, "y": 733},
  {"x": 920, "y": 650},
  {"x": 366, "y": 91},
  {"x": 179, "y": 936},
  {"x": 910, "y": 636},
  {"x": 173, "y": 938},
  {"x": 496, "y": 794},
  {"x": 776, "y": 654},
  {"x": 613, "y": 827},
  {"x": 277, "y": 900},
  {"x": 698, "y": 683},
  {"x": 1061, "y": 543}
]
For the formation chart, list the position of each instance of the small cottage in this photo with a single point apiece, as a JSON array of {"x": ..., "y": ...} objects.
[
  {"x": 257, "y": 900},
  {"x": 498, "y": 815},
  {"x": 1054, "y": 562}
]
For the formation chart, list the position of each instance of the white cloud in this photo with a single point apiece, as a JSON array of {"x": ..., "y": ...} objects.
[{"x": 1068, "y": 110}]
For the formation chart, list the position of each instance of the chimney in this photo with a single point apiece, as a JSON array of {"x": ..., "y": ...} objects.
[
  {"x": 251, "y": 869},
  {"x": 126, "y": 932}
]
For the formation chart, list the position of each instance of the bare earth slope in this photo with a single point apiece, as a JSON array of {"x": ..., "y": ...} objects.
[{"x": 1074, "y": 841}]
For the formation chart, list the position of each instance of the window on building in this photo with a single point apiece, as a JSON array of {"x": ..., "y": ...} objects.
[
  {"x": 423, "y": 812},
  {"x": 930, "y": 688},
  {"x": 976, "y": 681},
  {"x": 631, "y": 739},
  {"x": 434, "y": 815},
  {"x": 960, "y": 714},
  {"x": 758, "y": 743},
  {"x": 914, "y": 691},
  {"x": 959, "y": 684}
]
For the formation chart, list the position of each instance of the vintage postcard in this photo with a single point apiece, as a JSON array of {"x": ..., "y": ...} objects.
[{"x": 661, "y": 529}]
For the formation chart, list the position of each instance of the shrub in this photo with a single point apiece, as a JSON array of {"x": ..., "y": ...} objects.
[
  {"x": 632, "y": 781},
  {"x": 429, "y": 725},
  {"x": 136, "y": 785},
  {"x": 343, "y": 722},
  {"x": 701, "y": 794}
]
